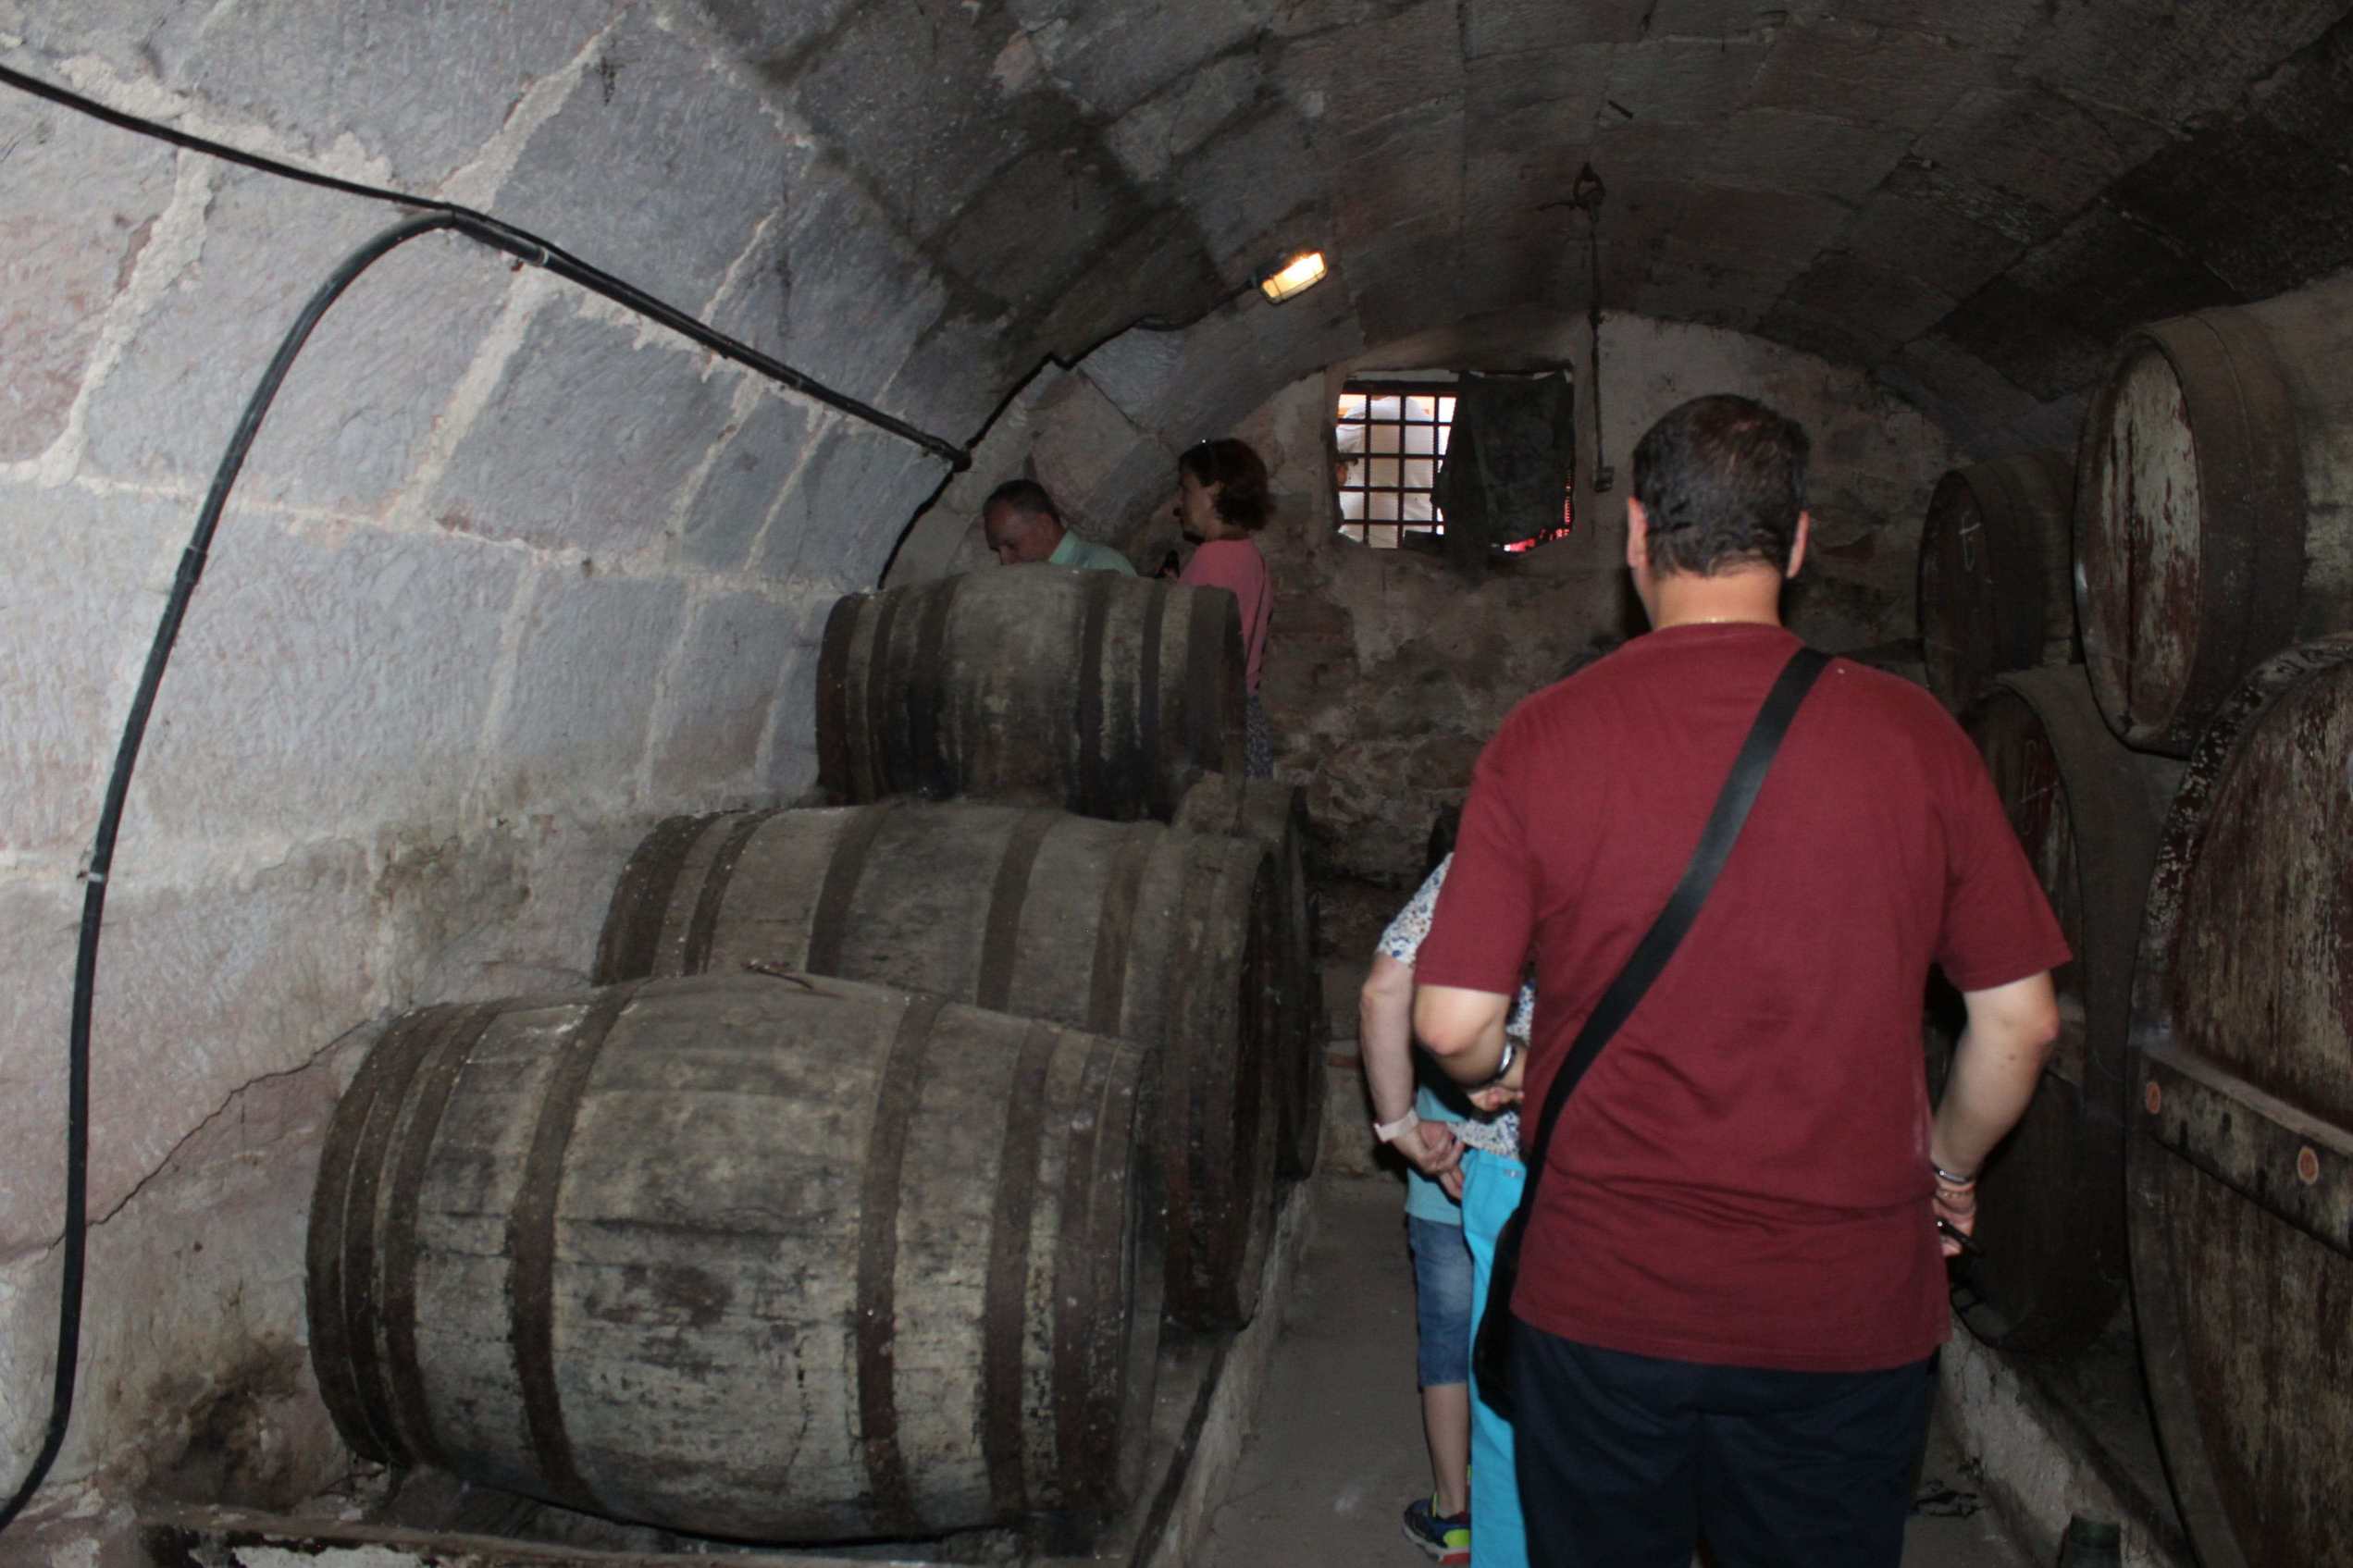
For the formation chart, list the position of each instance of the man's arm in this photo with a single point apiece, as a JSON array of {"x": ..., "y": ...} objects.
[
  {"x": 1995, "y": 1068},
  {"x": 1462, "y": 1029},
  {"x": 1481, "y": 930}
]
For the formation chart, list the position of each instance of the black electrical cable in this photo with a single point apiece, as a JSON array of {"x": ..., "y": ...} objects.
[
  {"x": 438, "y": 216},
  {"x": 516, "y": 242},
  {"x": 102, "y": 846}
]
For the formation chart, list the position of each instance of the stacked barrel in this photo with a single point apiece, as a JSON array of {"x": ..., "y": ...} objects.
[
  {"x": 2186, "y": 794},
  {"x": 849, "y": 1202}
]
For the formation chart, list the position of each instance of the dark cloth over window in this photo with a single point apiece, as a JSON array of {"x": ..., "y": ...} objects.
[{"x": 1507, "y": 461}]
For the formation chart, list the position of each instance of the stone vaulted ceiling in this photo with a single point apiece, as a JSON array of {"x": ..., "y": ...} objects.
[
  {"x": 921, "y": 199},
  {"x": 1971, "y": 198}
]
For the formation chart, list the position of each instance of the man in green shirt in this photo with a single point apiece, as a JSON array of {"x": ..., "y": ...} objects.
[{"x": 1021, "y": 524}]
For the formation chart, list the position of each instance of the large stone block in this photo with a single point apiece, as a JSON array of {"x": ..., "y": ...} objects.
[
  {"x": 1786, "y": 226},
  {"x": 1148, "y": 137},
  {"x": 1883, "y": 304},
  {"x": 1112, "y": 57},
  {"x": 1136, "y": 370},
  {"x": 724, "y": 692},
  {"x": 1242, "y": 186},
  {"x": 1567, "y": 83},
  {"x": 1651, "y": 153},
  {"x": 2170, "y": 64},
  {"x": 790, "y": 768},
  {"x": 1408, "y": 173},
  {"x": 1158, "y": 269},
  {"x": 897, "y": 480},
  {"x": 420, "y": 83},
  {"x": 956, "y": 378},
  {"x": 1835, "y": 334},
  {"x": 586, "y": 440},
  {"x": 1955, "y": 388},
  {"x": 84, "y": 588},
  {"x": 914, "y": 98},
  {"x": 657, "y": 168},
  {"x": 508, "y": 908},
  {"x": 2265, "y": 201},
  {"x": 1511, "y": 27},
  {"x": 2022, "y": 160},
  {"x": 1314, "y": 330},
  {"x": 321, "y": 681},
  {"x": 1876, "y": 75},
  {"x": 573, "y": 731},
  {"x": 1944, "y": 249},
  {"x": 353, "y": 416},
  {"x": 38, "y": 921},
  {"x": 2048, "y": 323},
  {"x": 1352, "y": 79},
  {"x": 212, "y": 983},
  {"x": 834, "y": 288},
  {"x": 1010, "y": 265},
  {"x": 1996, "y": 27},
  {"x": 82, "y": 200},
  {"x": 1785, "y": 150},
  {"x": 770, "y": 35},
  {"x": 1405, "y": 280},
  {"x": 742, "y": 488},
  {"x": 1684, "y": 79},
  {"x": 1715, "y": 19},
  {"x": 1082, "y": 440}
]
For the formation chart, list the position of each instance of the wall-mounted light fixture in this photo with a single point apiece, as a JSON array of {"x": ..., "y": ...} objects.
[{"x": 1293, "y": 275}]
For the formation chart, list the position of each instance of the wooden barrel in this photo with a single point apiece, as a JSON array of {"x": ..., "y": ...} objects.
[
  {"x": 1138, "y": 931},
  {"x": 2051, "y": 1199},
  {"x": 1995, "y": 555},
  {"x": 748, "y": 1256},
  {"x": 2212, "y": 516},
  {"x": 2240, "y": 1175},
  {"x": 1276, "y": 816},
  {"x": 1103, "y": 695}
]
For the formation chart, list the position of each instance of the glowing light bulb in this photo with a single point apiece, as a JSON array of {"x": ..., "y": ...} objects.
[{"x": 1295, "y": 276}]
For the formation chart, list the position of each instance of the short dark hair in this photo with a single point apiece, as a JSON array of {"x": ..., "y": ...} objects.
[
  {"x": 1244, "y": 497},
  {"x": 1023, "y": 495},
  {"x": 1723, "y": 480}
]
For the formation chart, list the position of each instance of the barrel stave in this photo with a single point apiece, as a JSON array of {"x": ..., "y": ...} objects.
[{"x": 463, "y": 1369}]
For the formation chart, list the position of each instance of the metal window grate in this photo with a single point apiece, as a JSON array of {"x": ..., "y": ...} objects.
[{"x": 1392, "y": 435}]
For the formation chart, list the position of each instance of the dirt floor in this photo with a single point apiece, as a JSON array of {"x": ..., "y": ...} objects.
[{"x": 1337, "y": 1451}]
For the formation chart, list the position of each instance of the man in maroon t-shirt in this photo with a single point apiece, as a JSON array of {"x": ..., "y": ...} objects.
[{"x": 1732, "y": 1281}]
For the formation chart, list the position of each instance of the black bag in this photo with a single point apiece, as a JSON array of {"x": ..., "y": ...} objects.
[{"x": 1491, "y": 1355}]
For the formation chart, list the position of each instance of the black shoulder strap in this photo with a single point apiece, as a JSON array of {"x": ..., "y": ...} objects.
[{"x": 1667, "y": 932}]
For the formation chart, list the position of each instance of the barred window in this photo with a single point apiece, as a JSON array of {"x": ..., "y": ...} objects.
[
  {"x": 1391, "y": 435},
  {"x": 1391, "y": 438}
]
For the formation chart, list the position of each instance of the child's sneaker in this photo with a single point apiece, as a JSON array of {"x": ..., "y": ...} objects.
[{"x": 1447, "y": 1538}]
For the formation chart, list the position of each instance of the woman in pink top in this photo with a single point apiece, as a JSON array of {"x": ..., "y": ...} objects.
[{"x": 1221, "y": 501}]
